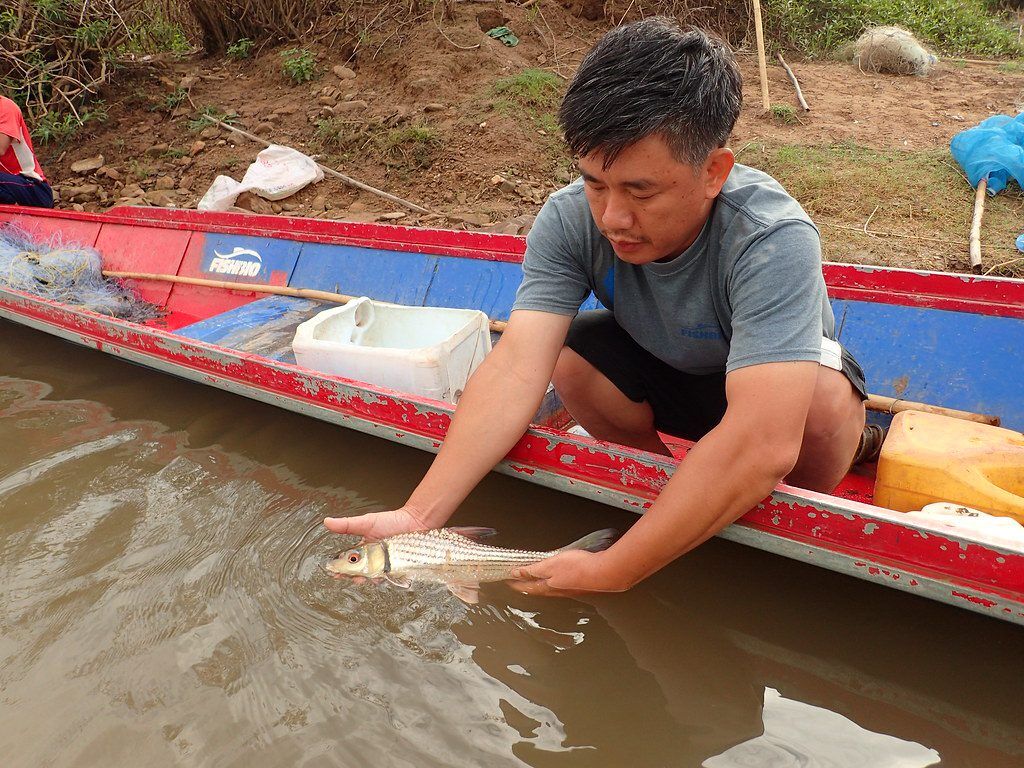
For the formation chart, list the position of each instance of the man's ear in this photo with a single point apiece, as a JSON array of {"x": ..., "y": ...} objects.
[{"x": 716, "y": 171}]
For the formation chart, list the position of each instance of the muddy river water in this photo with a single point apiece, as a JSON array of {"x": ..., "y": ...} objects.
[{"x": 162, "y": 602}]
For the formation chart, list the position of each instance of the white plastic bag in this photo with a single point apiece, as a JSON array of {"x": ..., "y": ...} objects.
[{"x": 277, "y": 173}]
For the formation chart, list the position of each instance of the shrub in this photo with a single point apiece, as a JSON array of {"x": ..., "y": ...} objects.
[{"x": 299, "y": 65}]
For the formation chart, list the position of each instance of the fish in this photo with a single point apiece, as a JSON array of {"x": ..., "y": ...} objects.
[{"x": 454, "y": 557}]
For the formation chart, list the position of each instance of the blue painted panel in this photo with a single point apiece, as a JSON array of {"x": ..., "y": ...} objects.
[
  {"x": 487, "y": 285},
  {"x": 393, "y": 276},
  {"x": 248, "y": 259},
  {"x": 955, "y": 359},
  {"x": 265, "y": 327}
]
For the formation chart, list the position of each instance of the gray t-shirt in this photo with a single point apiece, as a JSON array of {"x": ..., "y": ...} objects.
[{"x": 749, "y": 290}]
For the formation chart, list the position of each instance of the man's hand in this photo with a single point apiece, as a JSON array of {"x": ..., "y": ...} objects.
[
  {"x": 566, "y": 574},
  {"x": 378, "y": 525}
]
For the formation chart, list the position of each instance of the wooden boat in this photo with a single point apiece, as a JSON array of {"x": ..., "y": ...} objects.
[{"x": 933, "y": 337}]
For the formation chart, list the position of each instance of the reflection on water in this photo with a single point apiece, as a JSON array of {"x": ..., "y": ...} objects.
[{"x": 162, "y": 601}]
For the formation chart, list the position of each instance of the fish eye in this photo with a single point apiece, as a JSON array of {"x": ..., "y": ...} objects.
[{"x": 353, "y": 557}]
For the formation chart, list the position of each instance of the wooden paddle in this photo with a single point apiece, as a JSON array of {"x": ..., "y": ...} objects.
[{"x": 874, "y": 402}]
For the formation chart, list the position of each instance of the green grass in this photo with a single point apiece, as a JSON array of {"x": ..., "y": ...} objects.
[
  {"x": 205, "y": 117},
  {"x": 299, "y": 65},
  {"x": 405, "y": 149},
  {"x": 536, "y": 88},
  {"x": 784, "y": 114},
  {"x": 818, "y": 27},
  {"x": 240, "y": 49},
  {"x": 920, "y": 195}
]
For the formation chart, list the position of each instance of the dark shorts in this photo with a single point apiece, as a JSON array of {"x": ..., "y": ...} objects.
[
  {"x": 21, "y": 190},
  {"x": 685, "y": 405}
]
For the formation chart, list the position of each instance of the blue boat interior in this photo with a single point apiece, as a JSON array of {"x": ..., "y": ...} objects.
[{"x": 955, "y": 359}]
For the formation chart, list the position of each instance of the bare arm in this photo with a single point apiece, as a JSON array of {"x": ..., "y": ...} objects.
[
  {"x": 493, "y": 413},
  {"x": 5, "y": 143},
  {"x": 731, "y": 469}
]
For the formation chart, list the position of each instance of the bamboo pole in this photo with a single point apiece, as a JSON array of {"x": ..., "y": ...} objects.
[
  {"x": 761, "y": 61},
  {"x": 874, "y": 402},
  {"x": 796, "y": 84},
  {"x": 896, "y": 405},
  {"x": 498, "y": 326},
  {"x": 979, "y": 211}
]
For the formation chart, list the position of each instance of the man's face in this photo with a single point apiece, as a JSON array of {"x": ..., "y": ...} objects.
[{"x": 647, "y": 203}]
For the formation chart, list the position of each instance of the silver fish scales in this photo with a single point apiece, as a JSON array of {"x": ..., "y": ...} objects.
[{"x": 450, "y": 556}]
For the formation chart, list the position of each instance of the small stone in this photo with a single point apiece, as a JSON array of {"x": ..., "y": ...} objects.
[
  {"x": 78, "y": 207},
  {"x": 83, "y": 194},
  {"x": 343, "y": 73},
  {"x": 319, "y": 203},
  {"x": 156, "y": 150},
  {"x": 352, "y": 106},
  {"x": 433, "y": 107},
  {"x": 196, "y": 148},
  {"x": 250, "y": 202},
  {"x": 87, "y": 164},
  {"x": 184, "y": 162},
  {"x": 265, "y": 129},
  {"x": 327, "y": 101},
  {"x": 506, "y": 186},
  {"x": 164, "y": 183},
  {"x": 187, "y": 81},
  {"x": 275, "y": 207},
  {"x": 159, "y": 197},
  {"x": 288, "y": 109},
  {"x": 392, "y": 216},
  {"x": 132, "y": 190},
  {"x": 476, "y": 219},
  {"x": 358, "y": 206},
  {"x": 289, "y": 207},
  {"x": 111, "y": 173},
  {"x": 209, "y": 132},
  {"x": 496, "y": 179}
]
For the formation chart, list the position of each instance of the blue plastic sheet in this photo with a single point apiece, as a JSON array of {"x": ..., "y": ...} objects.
[{"x": 993, "y": 149}]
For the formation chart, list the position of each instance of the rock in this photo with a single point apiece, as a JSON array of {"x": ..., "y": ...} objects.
[
  {"x": 352, "y": 106},
  {"x": 250, "y": 202},
  {"x": 164, "y": 183},
  {"x": 421, "y": 84},
  {"x": 83, "y": 194},
  {"x": 476, "y": 219},
  {"x": 327, "y": 101},
  {"x": 87, "y": 164},
  {"x": 196, "y": 148},
  {"x": 288, "y": 109},
  {"x": 132, "y": 190},
  {"x": 276, "y": 207},
  {"x": 343, "y": 73},
  {"x": 111, "y": 173},
  {"x": 392, "y": 216},
  {"x": 78, "y": 207},
  {"x": 187, "y": 81},
  {"x": 433, "y": 107},
  {"x": 209, "y": 132},
  {"x": 289, "y": 207},
  {"x": 274, "y": 118},
  {"x": 319, "y": 203},
  {"x": 160, "y": 198},
  {"x": 358, "y": 206},
  {"x": 156, "y": 150},
  {"x": 130, "y": 201},
  {"x": 265, "y": 129}
]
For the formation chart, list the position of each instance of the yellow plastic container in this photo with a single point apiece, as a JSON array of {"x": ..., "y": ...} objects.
[{"x": 928, "y": 458}]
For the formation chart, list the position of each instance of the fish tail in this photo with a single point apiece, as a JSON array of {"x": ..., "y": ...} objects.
[{"x": 594, "y": 542}]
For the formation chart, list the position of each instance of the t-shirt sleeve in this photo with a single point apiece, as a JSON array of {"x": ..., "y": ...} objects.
[
  {"x": 553, "y": 276},
  {"x": 777, "y": 293},
  {"x": 10, "y": 120}
]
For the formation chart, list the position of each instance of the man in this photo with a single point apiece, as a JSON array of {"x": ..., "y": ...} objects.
[
  {"x": 21, "y": 178},
  {"x": 718, "y": 327}
]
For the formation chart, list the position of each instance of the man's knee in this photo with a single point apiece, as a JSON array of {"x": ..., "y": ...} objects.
[
  {"x": 571, "y": 373},
  {"x": 836, "y": 408}
]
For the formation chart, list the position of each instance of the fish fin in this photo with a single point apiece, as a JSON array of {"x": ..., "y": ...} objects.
[
  {"x": 473, "y": 532},
  {"x": 593, "y": 542},
  {"x": 398, "y": 581},
  {"x": 466, "y": 592}
]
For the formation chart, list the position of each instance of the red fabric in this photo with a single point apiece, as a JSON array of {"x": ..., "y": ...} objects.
[{"x": 13, "y": 124}]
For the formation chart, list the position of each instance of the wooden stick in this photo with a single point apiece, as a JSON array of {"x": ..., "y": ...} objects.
[
  {"x": 761, "y": 62},
  {"x": 498, "y": 326},
  {"x": 796, "y": 84},
  {"x": 329, "y": 171},
  {"x": 874, "y": 402},
  {"x": 895, "y": 405},
  {"x": 979, "y": 211}
]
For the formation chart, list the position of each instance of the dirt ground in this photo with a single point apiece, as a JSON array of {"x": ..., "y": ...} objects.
[{"x": 489, "y": 161}]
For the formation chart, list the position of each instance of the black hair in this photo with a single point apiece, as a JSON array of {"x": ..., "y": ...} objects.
[{"x": 653, "y": 77}]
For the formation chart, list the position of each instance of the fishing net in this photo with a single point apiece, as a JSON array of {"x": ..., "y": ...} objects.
[{"x": 68, "y": 273}]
